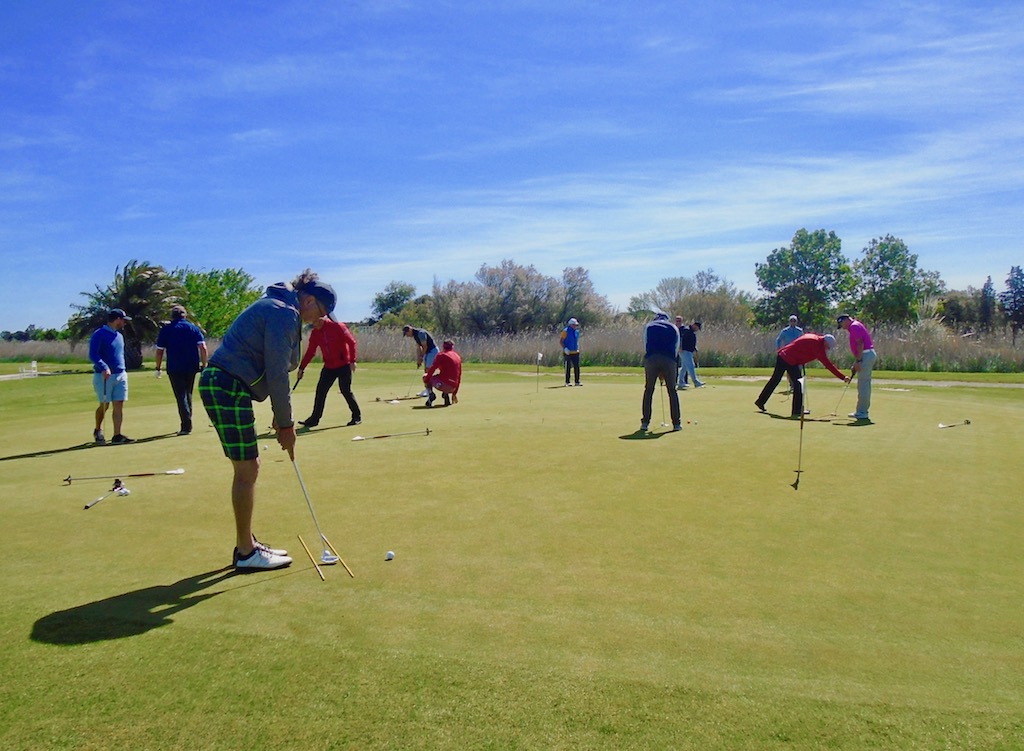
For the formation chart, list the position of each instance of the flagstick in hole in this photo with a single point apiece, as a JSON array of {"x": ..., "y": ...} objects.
[{"x": 800, "y": 459}]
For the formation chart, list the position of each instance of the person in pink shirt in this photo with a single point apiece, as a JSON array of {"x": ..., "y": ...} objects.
[
  {"x": 863, "y": 349},
  {"x": 445, "y": 375},
  {"x": 789, "y": 359},
  {"x": 338, "y": 348}
]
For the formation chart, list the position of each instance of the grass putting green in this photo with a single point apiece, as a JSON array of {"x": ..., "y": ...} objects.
[{"x": 559, "y": 582}]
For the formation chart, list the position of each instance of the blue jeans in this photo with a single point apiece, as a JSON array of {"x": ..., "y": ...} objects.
[
  {"x": 867, "y": 364},
  {"x": 688, "y": 369}
]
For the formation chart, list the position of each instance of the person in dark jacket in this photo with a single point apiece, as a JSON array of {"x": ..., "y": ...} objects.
[{"x": 661, "y": 343}]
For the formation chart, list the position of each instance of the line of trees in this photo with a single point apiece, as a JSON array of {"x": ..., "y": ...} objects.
[{"x": 810, "y": 277}]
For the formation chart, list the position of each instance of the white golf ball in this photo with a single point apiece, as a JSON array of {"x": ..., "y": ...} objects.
[{"x": 389, "y": 556}]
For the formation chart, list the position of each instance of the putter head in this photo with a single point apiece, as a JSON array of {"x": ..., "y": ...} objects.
[
  {"x": 327, "y": 558},
  {"x": 358, "y": 438}
]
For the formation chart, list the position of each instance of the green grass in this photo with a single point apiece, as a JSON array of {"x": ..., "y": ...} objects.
[{"x": 558, "y": 582}]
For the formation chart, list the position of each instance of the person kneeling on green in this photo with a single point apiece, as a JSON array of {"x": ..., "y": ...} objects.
[{"x": 802, "y": 350}]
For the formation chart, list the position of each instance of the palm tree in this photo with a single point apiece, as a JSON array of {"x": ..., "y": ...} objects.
[{"x": 143, "y": 291}]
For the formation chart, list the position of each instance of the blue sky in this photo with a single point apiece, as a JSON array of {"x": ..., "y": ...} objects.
[{"x": 386, "y": 140}]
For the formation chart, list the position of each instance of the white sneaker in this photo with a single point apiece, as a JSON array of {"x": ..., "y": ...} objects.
[
  {"x": 424, "y": 393},
  {"x": 260, "y": 560},
  {"x": 266, "y": 548}
]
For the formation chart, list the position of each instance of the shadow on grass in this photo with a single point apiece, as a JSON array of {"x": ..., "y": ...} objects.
[
  {"x": 129, "y": 614},
  {"x": 82, "y": 446},
  {"x": 643, "y": 435}
]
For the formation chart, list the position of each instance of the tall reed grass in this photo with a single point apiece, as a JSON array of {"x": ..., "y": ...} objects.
[{"x": 925, "y": 347}]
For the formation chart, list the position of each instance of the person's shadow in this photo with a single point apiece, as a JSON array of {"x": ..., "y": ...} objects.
[{"x": 128, "y": 614}]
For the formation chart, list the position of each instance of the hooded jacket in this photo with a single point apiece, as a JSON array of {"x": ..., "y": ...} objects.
[{"x": 262, "y": 346}]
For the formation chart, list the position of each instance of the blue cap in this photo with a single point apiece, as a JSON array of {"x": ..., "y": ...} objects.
[{"x": 116, "y": 313}]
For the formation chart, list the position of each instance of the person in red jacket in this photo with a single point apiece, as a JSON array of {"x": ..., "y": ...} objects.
[
  {"x": 445, "y": 375},
  {"x": 800, "y": 351},
  {"x": 338, "y": 348}
]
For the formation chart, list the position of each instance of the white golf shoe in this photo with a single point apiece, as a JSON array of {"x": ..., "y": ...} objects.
[{"x": 260, "y": 560}]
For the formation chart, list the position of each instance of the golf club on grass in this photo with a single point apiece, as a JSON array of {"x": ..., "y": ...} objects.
[
  {"x": 424, "y": 432},
  {"x": 117, "y": 488},
  {"x": 330, "y": 556},
  {"x": 800, "y": 456},
  {"x": 836, "y": 410},
  {"x": 954, "y": 425},
  {"x": 69, "y": 479}
]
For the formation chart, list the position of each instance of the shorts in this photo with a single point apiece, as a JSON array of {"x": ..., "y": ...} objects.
[
  {"x": 428, "y": 359},
  {"x": 114, "y": 389},
  {"x": 229, "y": 405}
]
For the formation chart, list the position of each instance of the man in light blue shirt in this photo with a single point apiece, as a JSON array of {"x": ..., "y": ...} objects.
[
  {"x": 787, "y": 336},
  {"x": 109, "y": 379}
]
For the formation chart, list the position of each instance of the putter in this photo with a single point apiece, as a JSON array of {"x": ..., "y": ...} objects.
[
  {"x": 424, "y": 432},
  {"x": 665, "y": 384},
  {"x": 836, "y": 410},
  {"x": 69, "y": 479},
  {"x": 118, "y": 488},
  {"x": 954, "y": 425},
  {"x": 330, "y": 556}
]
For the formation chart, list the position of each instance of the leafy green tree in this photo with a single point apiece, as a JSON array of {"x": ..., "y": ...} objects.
[
  {"x": 707, "y": 297},
  {"x": 987, "y": 304},
  {"x": 890, "y": 284},
  {"x": 580, "y": 300},
  {"x": 959, "y": 309},
  {"x": 145, "y": 292},
  {"x": 1012, "y": 301},
  {"x": 808, "y": 278},
  {"x": 418, "y": 312},
  {"x": 215, "y": 298},
  {"x": 392, "y": 299}
]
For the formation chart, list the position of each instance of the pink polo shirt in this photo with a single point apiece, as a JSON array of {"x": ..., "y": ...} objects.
[{"x": 859, "y": 333}]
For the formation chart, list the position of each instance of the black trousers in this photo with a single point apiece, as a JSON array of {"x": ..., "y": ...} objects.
[
  {"x": 182, "y": 385},
  {"x": 660, "y": 368},
  {"x": 572, "y": 362},
  {"x": 328, "y": 376},
  {"x": 795, "y": 374}
]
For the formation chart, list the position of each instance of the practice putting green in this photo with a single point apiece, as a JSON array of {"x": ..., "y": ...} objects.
[{"x": 559, "y": 581}]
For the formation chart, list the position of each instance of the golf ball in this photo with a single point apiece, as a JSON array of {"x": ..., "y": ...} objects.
[{"x": 389, "y": 556}]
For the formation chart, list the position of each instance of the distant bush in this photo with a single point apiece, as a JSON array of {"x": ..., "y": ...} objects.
[{"x": 924, "y": 347}]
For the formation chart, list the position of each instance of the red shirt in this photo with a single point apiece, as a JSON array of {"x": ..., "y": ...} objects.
[
  {"x": 336, "y": 345},
  {"x": 807, "y": 348},
  {"x": 448, "y": 366}
]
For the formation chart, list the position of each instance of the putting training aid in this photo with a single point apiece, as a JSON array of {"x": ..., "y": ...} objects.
[
  {"x": 117, "y": 488},
  {"x": 424, "y": 432},
  {"x": 955, "y": 424},
  {"x": 312, "y": 559},
  {"x": 330, "y": 556},
  {"x": 69, "y": 479}
]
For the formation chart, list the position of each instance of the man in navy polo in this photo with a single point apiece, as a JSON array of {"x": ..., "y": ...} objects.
[{"x": 185, "y": 347}]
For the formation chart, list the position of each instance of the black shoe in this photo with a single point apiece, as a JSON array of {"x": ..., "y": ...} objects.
[
  {"x": 354, "y": 421},
  {"x": 759, "y": 405},
  {"x": 122, "y": 439},
  {"x": 97, "y": 436},
  {"x": 309, "y": 423},
  {"x": 447, "y": 400},
  {"x": 578, "y": 383},
  {"x": 431, "y": 398},
  {"x": 183, "y": 431}
]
